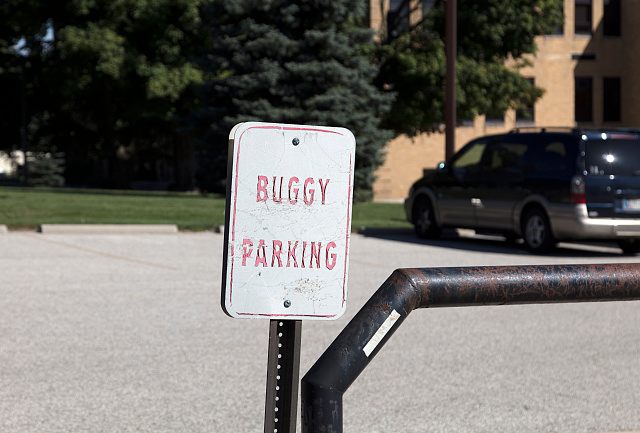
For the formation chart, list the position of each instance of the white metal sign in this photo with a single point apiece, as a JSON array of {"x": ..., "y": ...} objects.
[{"x": 289, "y": 192}]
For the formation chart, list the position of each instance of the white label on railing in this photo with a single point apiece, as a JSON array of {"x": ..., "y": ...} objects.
[{"x": 381, "y": 332}]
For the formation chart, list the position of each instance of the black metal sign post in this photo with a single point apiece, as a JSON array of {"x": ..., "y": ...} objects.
[{"x": 283, "y": 369}]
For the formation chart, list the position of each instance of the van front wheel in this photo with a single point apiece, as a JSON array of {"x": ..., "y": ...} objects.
[{"x": 424, "y": 219}]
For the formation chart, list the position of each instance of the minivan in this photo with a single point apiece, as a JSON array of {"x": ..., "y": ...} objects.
[{"x": 543, "y": 185}]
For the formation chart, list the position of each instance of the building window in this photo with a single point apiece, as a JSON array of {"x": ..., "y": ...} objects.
[
  {"x": 584, "y": 99},
  {"x": 611, "y": 19},
  {"x": 526, "y": 114},
  {"x": 494, "y": 117},
  {"x": 398, "y": 18},
  {"x": 427, "y": 5},
  {"x": 611, "y": 99},
  {"x": 583, "y": 18}
]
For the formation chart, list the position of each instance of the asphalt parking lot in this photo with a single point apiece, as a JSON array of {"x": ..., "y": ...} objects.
[{"x": 124, "y": 333}]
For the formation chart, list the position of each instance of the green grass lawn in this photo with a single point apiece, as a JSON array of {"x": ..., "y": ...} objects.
[
  {"x": 26, "y": 208},
  {"x": 378, "y": 215}
]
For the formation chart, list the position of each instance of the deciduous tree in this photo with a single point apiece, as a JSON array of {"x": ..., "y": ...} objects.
[
  {"x": 494, "y": 39},
  {"x": 106, "y": 80}
]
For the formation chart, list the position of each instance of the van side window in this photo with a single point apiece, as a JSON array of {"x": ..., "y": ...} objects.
[
  {"x": 506, "y": 157},
  {"x": 554, "y": 160},
  {"x": 556, "y": 147},
  {"x": 468, "y": 161}
]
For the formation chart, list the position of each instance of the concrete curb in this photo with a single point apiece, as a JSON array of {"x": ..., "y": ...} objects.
[
  {"x": 107, "y": 228},
  {"x": 3, "y": 229}
]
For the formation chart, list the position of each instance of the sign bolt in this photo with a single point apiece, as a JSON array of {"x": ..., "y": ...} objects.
[
  {"x": 295, "y": 141},
  {"x": 287, "y": 303}
]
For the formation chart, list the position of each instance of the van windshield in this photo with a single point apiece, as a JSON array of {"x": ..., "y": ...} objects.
[{"x": 613, "y": 157}]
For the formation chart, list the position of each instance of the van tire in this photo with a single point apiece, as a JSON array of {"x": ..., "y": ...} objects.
[
  {"x": 629, "y": 247},
  {"x": 536, "y": 231},
  {"x": 424, "y": 221}
]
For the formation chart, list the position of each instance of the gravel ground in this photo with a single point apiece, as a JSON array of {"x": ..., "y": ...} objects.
[{"x": 124, "y": 333}]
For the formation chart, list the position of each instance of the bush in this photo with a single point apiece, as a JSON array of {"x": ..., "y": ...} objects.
[{"x": 44, "y": 169}]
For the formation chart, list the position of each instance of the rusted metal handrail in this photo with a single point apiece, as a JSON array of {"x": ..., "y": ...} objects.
[{"x": 408, "y": 289}]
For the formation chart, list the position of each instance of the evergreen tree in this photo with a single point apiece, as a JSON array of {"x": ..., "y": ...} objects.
[{"x": 306, "y": 62}]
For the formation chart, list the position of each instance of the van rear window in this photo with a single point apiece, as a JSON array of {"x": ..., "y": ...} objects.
[{"x": 613, "y": 157}]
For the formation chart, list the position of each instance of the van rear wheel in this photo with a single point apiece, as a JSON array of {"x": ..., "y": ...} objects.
[
  {"x": 630, "y": 247},
  {"x": 536, "y": 231}
]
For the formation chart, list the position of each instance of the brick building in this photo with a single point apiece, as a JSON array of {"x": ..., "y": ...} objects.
[{"x": 589, "y": 71}]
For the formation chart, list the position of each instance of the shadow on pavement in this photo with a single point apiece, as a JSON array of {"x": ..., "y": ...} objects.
[{"x": 491, "y": 244}]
